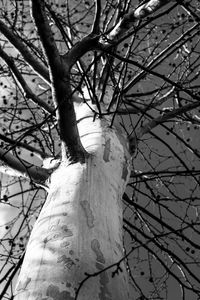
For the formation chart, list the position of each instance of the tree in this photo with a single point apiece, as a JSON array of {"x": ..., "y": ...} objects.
[{"x": 104, "y": 97}]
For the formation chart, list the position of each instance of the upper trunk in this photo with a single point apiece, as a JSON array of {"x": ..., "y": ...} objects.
[{"x": 79, "y": 229}]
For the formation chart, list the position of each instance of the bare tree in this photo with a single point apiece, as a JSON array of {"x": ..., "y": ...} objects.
[{"x": 99, "y": 142}]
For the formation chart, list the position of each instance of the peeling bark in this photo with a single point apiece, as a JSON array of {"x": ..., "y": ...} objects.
[{"x": 79, "y": 230}]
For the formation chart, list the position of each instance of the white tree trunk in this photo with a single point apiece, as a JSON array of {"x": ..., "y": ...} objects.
[{"x": 79, "y": 229}]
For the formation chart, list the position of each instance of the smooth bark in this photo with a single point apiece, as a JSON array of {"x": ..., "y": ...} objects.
[{"x": 79, "y": 231}]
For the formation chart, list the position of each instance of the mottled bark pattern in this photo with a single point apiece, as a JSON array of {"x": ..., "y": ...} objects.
[{"x": 79, "y": 230}]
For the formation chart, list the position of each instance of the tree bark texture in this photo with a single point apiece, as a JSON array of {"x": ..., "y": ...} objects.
[{"x": 79, "y": 230}]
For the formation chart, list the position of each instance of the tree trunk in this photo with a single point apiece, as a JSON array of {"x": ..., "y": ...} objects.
[{"x": 79, "y": 230}]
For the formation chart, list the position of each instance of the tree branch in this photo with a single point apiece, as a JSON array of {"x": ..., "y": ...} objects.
[
  {"x": 46, "y": 36},
  {"x": 93, "y": 41},
  {"x": 88, "y": 43},
  {"x": 109, "y": 41},
  {"x": 154, "y": 122},
  {"x": 150, "y": 71},
  {"x": 28, "y": 93},
  {"x": 14, "y": 270},
  {"x": 156, "y": 61},
  {"x": 186, "y": 7},
  {"x": 29, "y": 57},
  {"x": 60, "y": 78},
  {"x": 160, "y": 221},
  {"x": 96, "y": 23},
  {"x": 168, "y": 116},
  {"x": 17, "y": 167},
  {"x": 68, "y": 42},
  {"x": 26, "y": 146},
  {"x": 147, "y": 106},
  {"x": 129, "y": 19}
]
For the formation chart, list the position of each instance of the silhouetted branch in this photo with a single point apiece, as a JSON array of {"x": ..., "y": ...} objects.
[
  {"x": 62, "y": 93},
  {"x": 26, "y": 90},
  {"x": 29, "y": 57},
  {"x": 18, "y": 167}
]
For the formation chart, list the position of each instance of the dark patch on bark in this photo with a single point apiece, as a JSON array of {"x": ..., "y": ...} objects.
[
  {"x": 106, "y": 153},
  {"x": 64, "y": 244},
  {"x": 88, "y": 213},
  {"x": 104, "y": 291},
  {"x": 67, "y": 231},
  {"x": 68, "y": 284},
  {"x": 125, "y": 171},
  {"x": 120, "y": 248},
  {"x": 66, "y": 261},
  {"x": 104, "y": 281},
  {"x": 55, "y": 294},
  {"x": 100, "y": 266},
  {"x": 97, "y": 250},
  {"x": 57, "y": 232}
]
